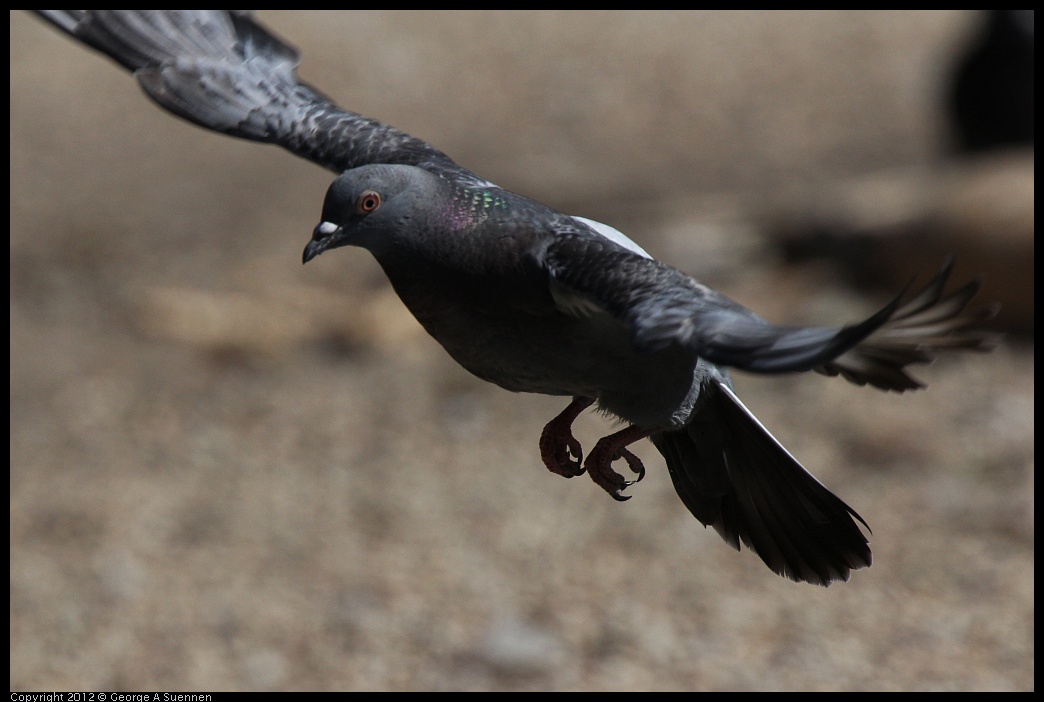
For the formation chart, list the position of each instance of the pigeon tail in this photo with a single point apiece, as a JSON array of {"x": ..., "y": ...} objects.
[{"x": 734, "y": 476}]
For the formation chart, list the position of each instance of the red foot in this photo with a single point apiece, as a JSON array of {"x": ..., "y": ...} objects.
[
  {"x": 559, "y": 450},
  {"x": 611, "y": 448}
]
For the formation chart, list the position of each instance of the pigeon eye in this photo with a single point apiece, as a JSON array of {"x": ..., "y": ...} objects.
[{"x": 368, "y": 202}]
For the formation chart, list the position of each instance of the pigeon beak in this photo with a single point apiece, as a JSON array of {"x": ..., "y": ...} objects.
[{"x": 322, "y": 237}]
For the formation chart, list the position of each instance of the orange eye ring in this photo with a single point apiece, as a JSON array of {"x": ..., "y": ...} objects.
[{"x": 369, "y": 201}]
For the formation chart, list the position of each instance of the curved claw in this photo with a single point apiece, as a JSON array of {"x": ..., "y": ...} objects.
[
  {"x": 611, "y": 481},
  {"x": 558, "y": 456},
  {"x": 559, "y": 449},
  {"x": 635, "y": 464},
  {"x": 612, "y": 448}
]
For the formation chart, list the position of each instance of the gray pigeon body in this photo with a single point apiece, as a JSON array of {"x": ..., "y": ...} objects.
[{"x": 534, "y": 300}]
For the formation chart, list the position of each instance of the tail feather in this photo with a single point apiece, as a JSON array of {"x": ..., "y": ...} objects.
[{"x": 734, "y": 476}]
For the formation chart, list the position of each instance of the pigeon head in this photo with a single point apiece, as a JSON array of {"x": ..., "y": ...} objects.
[{"x": 370, "y": 206}]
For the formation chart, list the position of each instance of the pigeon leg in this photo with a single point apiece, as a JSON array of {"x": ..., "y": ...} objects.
[
  {"x": 613, "y": 447},
  {"x": 557, "y": 443}
]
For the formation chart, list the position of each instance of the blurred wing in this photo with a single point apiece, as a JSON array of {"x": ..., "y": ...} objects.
[
  {"x": 927, "y": 323},
  {"x": 223, "y": 71}
]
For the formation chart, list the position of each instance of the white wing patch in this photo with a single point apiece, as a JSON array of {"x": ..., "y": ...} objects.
[
  {"x": 575, "y": 303},
  {"x": 613, "y": 235}
]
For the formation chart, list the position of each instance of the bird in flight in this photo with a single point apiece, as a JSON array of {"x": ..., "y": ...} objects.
[{"x": 538, "y": 301}]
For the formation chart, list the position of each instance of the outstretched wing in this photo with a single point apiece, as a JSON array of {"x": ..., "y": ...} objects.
[
  {"x": 661, "y": 306},
  {"x": 926, "y": 323},
  {"x": 223, "y": 71}
]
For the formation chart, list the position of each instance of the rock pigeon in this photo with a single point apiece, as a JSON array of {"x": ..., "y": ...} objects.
[{"x": 538, "y": 301}]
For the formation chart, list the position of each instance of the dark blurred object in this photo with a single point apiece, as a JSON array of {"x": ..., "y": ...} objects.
[{"x": 992, "y": 98}]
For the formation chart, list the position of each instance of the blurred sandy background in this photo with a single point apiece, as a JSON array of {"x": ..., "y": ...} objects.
[{"x": 229, "y": 471}]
